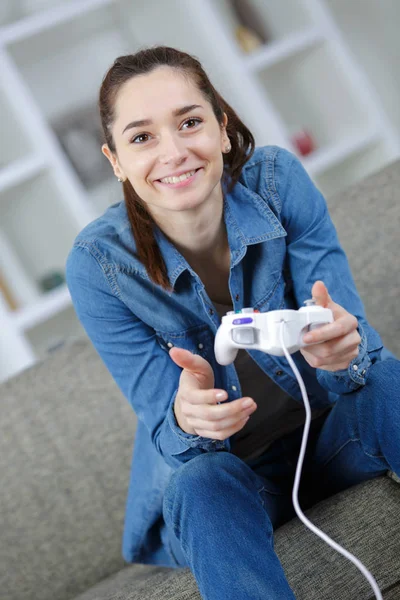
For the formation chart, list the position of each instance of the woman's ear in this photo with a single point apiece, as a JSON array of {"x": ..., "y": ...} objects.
[
  {"x": 225, "y": 138},
  {"x": 113, "y": 161}
]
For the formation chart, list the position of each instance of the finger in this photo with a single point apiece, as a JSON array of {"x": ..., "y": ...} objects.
[
  {"x": 205, "y": 404},
  {"x": 222, "y": 411},
  {"x": 204, "y": 397},
  {"x": 220, "y": 425},
  {"x": 339, "y": 328},
  {"x": 336, "y": 347},
  {"x": 225, "y": 434}
]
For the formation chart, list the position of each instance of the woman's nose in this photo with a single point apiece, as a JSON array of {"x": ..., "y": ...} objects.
[{"x": 172, "y": 150}]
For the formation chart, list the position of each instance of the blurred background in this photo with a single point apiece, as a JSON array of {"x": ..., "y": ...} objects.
[{"x": 318, "y": 77}]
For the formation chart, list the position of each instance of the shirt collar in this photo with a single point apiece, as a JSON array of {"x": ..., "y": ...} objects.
[{"x": 249, "y": 220}]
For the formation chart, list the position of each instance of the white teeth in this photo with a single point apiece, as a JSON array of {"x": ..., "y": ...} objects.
[{"x": 177, "y": 179}]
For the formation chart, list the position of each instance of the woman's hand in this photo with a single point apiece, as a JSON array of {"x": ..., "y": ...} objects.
[
  {"x": 196, "y": 404},
  {"x": 340, "y": 339}
]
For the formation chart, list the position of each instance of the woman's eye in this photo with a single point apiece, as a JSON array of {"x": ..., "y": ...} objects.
[
  {"x": 192, "y": 123},
  {"x": 141, "y": 135},
  {"x": 193, "y": 120}
]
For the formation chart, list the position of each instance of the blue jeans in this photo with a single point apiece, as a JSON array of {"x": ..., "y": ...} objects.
[{"x": 221, "y": 512}]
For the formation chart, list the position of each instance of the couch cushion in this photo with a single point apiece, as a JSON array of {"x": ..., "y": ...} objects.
[
  {"x": 365, "y": 519},
  {"x": 66, "y": 435},
  {"x": 143, "y": 582},
  {"x": 367, "y": 219}
]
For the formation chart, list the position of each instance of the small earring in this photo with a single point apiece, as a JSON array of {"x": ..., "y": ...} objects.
[
  {"x": 228, "y": 148},
  {"x": 120, "y": 180}
]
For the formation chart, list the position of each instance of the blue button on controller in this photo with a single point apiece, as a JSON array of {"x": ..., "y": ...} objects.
[{"x": 242, "y": 321}]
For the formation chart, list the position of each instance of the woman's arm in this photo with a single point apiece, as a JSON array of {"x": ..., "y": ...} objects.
[
  {"x": 314, "y": 253},
  {"x": 144, "y": 372}
]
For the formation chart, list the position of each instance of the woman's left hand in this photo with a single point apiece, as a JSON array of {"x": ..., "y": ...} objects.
[{"x": 339, "y": 340}]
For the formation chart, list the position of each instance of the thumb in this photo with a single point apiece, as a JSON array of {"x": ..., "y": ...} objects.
[
  {"x": 194, "y": 365},
  {"x": 321, "y": 295},
  {"x": 184, "y": 358}
]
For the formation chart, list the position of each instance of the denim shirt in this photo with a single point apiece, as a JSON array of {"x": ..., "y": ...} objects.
[{"x": 282, "y": 240}]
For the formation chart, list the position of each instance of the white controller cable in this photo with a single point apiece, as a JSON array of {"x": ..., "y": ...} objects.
[{"x": 299, "y": 467}]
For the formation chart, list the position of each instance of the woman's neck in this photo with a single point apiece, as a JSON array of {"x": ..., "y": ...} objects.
[{"x": 199, "y": 235}]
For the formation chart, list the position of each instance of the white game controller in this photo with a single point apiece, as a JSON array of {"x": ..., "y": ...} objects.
[{"x": 251, "y": 329}]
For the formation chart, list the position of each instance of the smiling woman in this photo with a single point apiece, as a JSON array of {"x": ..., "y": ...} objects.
[
  {"x": 210, "y": 224},
  {"x": 171, "y": 155}
]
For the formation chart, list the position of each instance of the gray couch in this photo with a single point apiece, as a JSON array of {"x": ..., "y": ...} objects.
[{"x": 66, "y": 436}]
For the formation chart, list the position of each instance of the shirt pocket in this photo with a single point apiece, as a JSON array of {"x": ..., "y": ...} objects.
[
  {"x": 198, "y": 340},
  {"x": 274, "y": 299}
]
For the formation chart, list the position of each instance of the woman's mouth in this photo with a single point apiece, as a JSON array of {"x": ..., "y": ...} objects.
[{"x": 182, "y": 181}]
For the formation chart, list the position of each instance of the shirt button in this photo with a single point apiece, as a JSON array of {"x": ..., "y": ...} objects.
[
  {"x": 234, "y": 388},
  {"x": 279, "y": 373},
  {"x": 355, "y": 368},
  {"x": 200, "y": 346},
  {"x": 363, "y": 372},
  {"x": 170, "y": 345}
]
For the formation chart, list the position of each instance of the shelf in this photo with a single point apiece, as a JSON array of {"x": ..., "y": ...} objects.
[
  {"x": 61, "y": 13},
  {"x": 273, "y": 53},
  {"x": 328, "y": 157},
  {"x": 379, "y": 59},
  {"x": 21, "y": 170},
  {"x": 37, "y": 228},
  {"x": 270, "y": 20},
  {"x": 82, "y": 49},
  {"x": 55, "y": 331},
  {"x": 310, "y": 92},
  {"x": 15, "y": 144},
  {"x": 353, "y": 168},
  {"x": 49, "y": 305}
]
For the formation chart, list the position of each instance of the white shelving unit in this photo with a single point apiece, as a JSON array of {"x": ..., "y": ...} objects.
[{"x": 53, "y": 56}]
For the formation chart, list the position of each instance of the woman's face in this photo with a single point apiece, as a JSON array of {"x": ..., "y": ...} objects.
[{"x": 165, "y": 128}]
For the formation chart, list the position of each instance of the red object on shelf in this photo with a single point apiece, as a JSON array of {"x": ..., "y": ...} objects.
[{"x": 303, "y": 142}]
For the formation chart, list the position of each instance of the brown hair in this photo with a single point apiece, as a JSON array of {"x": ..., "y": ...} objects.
[{"x": 241, "y": 139}]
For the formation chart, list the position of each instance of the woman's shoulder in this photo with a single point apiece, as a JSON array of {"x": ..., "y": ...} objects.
[
  {"x": 113, "y": 221},
  {"x": 267, "y": 173},
  {"x": 270, "y": 156},
  {"x": 109, "y": 239}
]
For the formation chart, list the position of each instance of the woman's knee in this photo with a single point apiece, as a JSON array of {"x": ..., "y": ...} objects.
[
  {"x": 208, "y": 475},
  {"x": 205, "y": 470},
  {"x": 383, "y": 380}
]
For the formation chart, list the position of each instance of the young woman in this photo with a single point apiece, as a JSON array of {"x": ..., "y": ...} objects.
[{"x": 209, "y": 223}]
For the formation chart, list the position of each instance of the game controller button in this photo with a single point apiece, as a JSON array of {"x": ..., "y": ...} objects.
[
  {"x": 247, "y": 310},
  {"x": 243, "y": 335},
  {"x": 238, "y": 312},
  {"x": 242, "y": 321}
]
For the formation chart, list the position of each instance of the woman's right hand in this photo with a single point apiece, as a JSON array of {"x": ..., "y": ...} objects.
[{"x": 196, "y": 404}]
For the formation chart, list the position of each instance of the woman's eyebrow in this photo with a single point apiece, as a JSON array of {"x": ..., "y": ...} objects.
[{"x": 178, "y": 112}]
